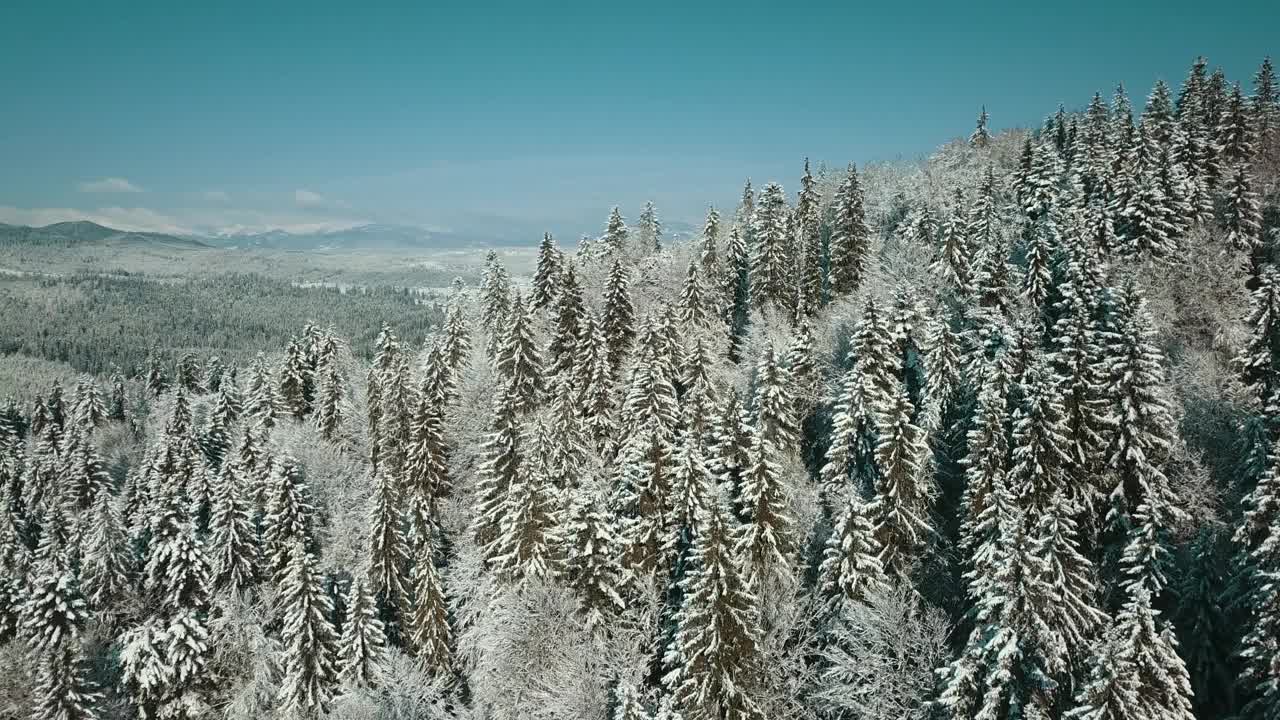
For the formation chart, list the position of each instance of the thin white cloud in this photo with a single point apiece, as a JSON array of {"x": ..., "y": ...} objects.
[
  {"x": 307, "y": 198},
  {"x": 109, "y": 185},
  {"x": 216, "y": 196}
]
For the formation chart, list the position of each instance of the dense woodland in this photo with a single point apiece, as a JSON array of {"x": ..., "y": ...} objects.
[{"x": 992, "y": 435}]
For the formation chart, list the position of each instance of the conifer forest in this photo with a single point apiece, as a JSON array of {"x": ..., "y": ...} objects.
[{"x": 992, "y": 434}]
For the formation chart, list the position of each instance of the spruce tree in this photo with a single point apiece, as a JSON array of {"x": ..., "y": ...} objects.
[
  {"x": 546, "y": 278},
  {"x": 954, "y": 261},
  {"x": 808, "y": 243},
  {"x": 503, "y": 460},
  {"x": 569, "y": 317},
  {"x": 709, "y": 252},
  {"x": 289, "y": 515},
  {"x": 771, "y": 279},
  {"x": 388, "y": 546},
  {"x": 619, "y": 318},
  {"x": 519, "y": 362},
  {"x": 362, "y": 652},
  {"x": 1243, "y": 220},
  {"x": 308, "y": 658},
  {"x": 614, "y": 240},
  {"x": 529, "y": 537},
  {"x": 714, "y": 658},
  {"x": 107, "y": 567},
  {"x": 429, "y": 632},
  {"x": 592, "y": 556},
  {"x": 495, "y": 302},
  {"x": 295, "y": 378},
  {"x": 851, "y": 566},
  {"x": 850, "y": 238},
  {"x": 649, "y": 229},
  {"x": 981, "y": 136},
  {"x": 902, "y": 504},
  {"x": 233, "y": 543}
]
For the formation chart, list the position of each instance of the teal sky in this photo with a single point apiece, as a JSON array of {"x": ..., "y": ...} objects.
[{"x": 506, "y": 118}]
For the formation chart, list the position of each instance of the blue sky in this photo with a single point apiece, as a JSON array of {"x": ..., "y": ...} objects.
[{"x": 506, "y": 118}]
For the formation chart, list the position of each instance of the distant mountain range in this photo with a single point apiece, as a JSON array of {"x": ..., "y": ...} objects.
[
  {"x": 83, "y": 232},
  {"x": 372, "y": 237}
]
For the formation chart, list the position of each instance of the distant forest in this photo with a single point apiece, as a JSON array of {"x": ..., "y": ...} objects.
[{"x": 992, "y": 435}]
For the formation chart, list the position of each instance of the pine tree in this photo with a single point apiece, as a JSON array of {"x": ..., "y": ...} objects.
[
  {"x": 770, "y": 278},
  {"x": 309, "y": 655},
  {"x": 1140, "y": 427},
  {"x": 954, "y": 262},
  {"x": 1259, "y": 360},
  {"x": 88, "y": 409},
  {"x": 1266, "y": 99},
  {"x": 981, "y": 137},
  {"x": 592, "y": 552},
  {"x": 650, "y": 229},
  {"x": 614, "y": 240},
  {"x": 714, "y": 659},
  {"x": 426, "y": 471},
  {"x": 295, "y": 379},
  {"x": 570, "y": 315},
  {"x": 503, "y": 460},
  {"x": 619, "y": 318},
  {"x": 106, "y": 570},
  {"x": 55, "y": 610},
  {"x": 362, "y": 653},
  {"x": 901, "y": 505},
  {"x": 529, "y": 538},
  {"x": 63, "y": 690},
  {"x": 546, "y": 278},
  {"x": 696, "y": 310},
  {"x": 765, "y": 544},
  {"x": 851, "y": 566},
  {"x": 1236, "y": 131},
  {"x": 808, "y": 242},
  {"x": 234, "y": 539},
  {"x": 288, "y": 518},
  {"x": 263, "y": 402},
  {"x": 1243, "y": 221},
  {"x": 850, "y": 238},
  {"x": 709, "y": 253},
  {"x": 518, "y": 360},
  {"x": 429, "y": 632},
  {"x": 388, "y": 546},
  {"x": 495, "y": 301},
  {"x": 457, "y": 337}
]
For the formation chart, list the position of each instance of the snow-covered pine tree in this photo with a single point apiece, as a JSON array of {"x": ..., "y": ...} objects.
[
  {"x": 801, "y": 364},
  {"x": 850, "y": 237},
  {"x": 262, "y": 401},
  {"x": 981, "y": 136},
  {"x": 851, "y": 559},
  {"x": 697, "y": 311},
  {"x": 503, "y": 461},
  {"x": 1139, "y": 429},
  {"x": 714, "y": 659},
  {"x": 614, "y": 240},
  {"x": 309, "y": 654},
  {"x": 619, "y": 317},
  {"x": 495, "y": 302},
  {"x": 592, "y": 552},
  {"x": 1259, "y": 359},
  {"x": 546, "y": 278},
  {"x": 429, "y": 633},
  {"x": 808, "y": 243},
  {"x": 426, "y": 471},
  {"x": 289, "y": 515},
  {"x": 709, "y": 252},
  {"x": 770, "y": 275},
  {"x": 88, "y": 410},
  {"x": 1243, "y": 217},
  {"x": 1235, "y": 130},
  {"x": 901, "y": 506},
  {"x": 1266, "y": 99},
  {"x": 649, "y": 229},
  {"x": 388, "y": 546},
  {"x": 529, "y": 539},
  {"x": 295, "y": 378},
  {"x": 518, "y": 361},
  {"x": 361, "y": 649},
  {"x": 330, "y": 402},
  {"x": 107, "y": 566},
  {"x": 765, "y": 543},
  {"x": 457, "y": 336},
  {"x": 570, "y": 313},
  {"x": 954, "y": 261},
  {"x": 233, "y": 543}
]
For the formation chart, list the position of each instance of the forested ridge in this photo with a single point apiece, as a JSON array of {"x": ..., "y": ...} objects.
[{"x": 992, "y": 435}]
